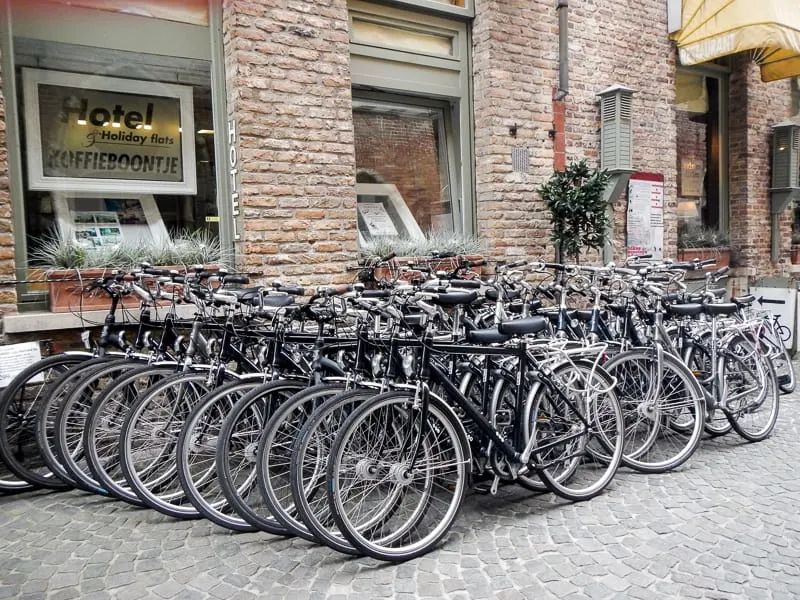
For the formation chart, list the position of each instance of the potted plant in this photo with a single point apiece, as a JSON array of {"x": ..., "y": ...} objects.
[
  {"x": 704, "y": 243},
  {"x": 69, "y": 266},
  {"x": 411, "y": 251},
  {"x": 795, "y": 255},
  {"x": 577, "y": 208}
]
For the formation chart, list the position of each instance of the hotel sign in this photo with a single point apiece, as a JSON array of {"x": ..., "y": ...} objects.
[{"x": 103, "y": 134}]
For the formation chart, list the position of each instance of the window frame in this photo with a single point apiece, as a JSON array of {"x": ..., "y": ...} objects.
[
  {"x": 722, "y": 74},
  {"x": 409, "y": 77}
]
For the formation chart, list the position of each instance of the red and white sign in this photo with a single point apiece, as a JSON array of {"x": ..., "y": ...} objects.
[{"x": 646, "y": 215}]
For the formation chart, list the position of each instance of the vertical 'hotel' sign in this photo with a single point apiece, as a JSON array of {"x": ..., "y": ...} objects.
[
  {"x": 233, "y": 164},
  {"x": 87, "y": 133}
]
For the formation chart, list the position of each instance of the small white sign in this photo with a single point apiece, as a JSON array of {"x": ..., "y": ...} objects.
[
  {"x": 378, "y": 221},
  {"x": 14, "y": 358}
]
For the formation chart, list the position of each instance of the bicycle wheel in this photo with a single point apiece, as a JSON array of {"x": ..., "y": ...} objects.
[
  {"x": 577, "y": 428},
  {"x": 237, "y": 450},
  {"x": 397, "y": 475},
  {"x": 71, "y": 419},
  {"x": 750, "y": 396},
  {"x": 663, "y": 408},
  {"x": 104, "y": 425},
  {"x": 19, "y": 403},
  {"x": 149, "y": 437},
  {"x": 698, "y": 360},
  {"x": 308, "y": 468},
  {"x": 275, "y": 453},
  {"x": 197, "y": 454}
]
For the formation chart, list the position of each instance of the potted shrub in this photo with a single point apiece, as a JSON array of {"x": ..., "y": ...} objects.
[
  {"x": 795, "y": 255},
  {"x": 70, "y": 267},
  {"x": 704, "y": 243},
  {"x": 410, "y": 251},
  {"x": 577, "y": 208}
]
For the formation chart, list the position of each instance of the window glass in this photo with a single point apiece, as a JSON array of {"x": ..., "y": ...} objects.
[
  {"x": 698, "y": 143},
  {"x": 117, "y": 146},
  {"x": 363, "y": 31},
  {"x": 402, "y": 165}
]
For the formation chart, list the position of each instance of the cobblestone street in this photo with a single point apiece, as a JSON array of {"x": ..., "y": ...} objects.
[{"x": 724, "y": 526}]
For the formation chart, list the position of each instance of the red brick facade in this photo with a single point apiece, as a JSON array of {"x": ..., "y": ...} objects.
[
  {"x": 8, "y": 296},
  {"x": 289, "y": 92}
]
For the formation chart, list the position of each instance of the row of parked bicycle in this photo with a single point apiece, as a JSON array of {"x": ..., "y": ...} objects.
[{"x": 359, "y": 418}]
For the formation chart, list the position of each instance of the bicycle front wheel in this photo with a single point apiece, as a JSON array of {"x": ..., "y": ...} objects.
[{"x": 397, "y": 475}]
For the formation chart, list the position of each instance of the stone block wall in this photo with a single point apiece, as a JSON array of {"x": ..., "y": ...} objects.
[{"x": 289, "y": 91}]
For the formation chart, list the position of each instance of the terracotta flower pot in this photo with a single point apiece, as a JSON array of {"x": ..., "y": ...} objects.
[{"x": 722, "y": 256}]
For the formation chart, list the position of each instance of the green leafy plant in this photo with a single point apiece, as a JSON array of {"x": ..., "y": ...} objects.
[
  {"x": 184, "y": 248},
  {"x": 433, "y": 242},
  {"x": 577, "y": 208},
  {"x": 702, "y": 237}
]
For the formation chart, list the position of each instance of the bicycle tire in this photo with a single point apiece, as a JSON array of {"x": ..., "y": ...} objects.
[
  {"x": 662, "y": 403},
  {"x": 273, "y": 462},
  {"x": 432, "y": 493},
  {"x": 148, "y": 439},
  {"x": 197, "y": 454},
  {"x": 104, "y": 425},
  {"x": 237, "y": 452},
  {"x": 308, "y": 469},
  {"x": 19, "y": 403},
  {"x": 578, "y": 437}
]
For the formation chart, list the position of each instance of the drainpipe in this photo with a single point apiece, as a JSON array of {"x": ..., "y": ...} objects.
[
  {"x": 562, "y": 6},
  {"x": 558, "y": 132}
]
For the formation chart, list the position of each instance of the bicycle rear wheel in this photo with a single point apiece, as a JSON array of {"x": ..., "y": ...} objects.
[
  {"x": 397, "y": 475},
  {"x": 577, "y": 428},
  {"x": 663, "y": 407},
  {"x": 750, "y": 397}
]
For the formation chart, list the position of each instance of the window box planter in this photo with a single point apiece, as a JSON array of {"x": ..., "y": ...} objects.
[
  {"x": 721, "y": 255},
  {"x": 398, "y": 270}
]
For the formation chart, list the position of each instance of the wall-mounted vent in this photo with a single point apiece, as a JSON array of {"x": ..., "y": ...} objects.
[
  {"x": 520, "y": 160},
  {"x": 786, "y": 155},
  {"x": 616, "y": 128}
]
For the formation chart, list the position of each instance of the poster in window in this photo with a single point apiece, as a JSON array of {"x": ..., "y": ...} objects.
[
  {"x": 692, "y": 172},
  {"x": 104, "y": 134}
]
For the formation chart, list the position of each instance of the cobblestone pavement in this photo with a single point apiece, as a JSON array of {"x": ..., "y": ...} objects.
[{"x": 727, "y": 525}]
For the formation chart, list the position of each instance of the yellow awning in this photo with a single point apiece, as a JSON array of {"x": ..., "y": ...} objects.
[{"x": 714, "y": 28}]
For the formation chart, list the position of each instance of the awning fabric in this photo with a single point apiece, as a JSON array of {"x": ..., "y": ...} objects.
[{"x": 714, "y": 28}]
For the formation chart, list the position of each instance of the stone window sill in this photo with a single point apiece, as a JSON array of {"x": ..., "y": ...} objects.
[{"x": 31, "y": 322}]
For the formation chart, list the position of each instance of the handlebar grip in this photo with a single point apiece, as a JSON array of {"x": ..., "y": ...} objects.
[
  {"x": 376, "y": 294},
  {"x": 388, "y": 257},
  {"x": 443, "y": 254},
  {"x": 556, "y": 266},
  {"x": 469, "y": 284},
  {"x": 292, "y": 290},
  {"x": 624, "y": 271},
  {"x": 515, "y": 264},
  {"x": 337, "y": 290},
  {"x": 236, "y": 279},
  {"x": 721, "y": 271},
  {"x": 708, "y": 261},
  {"x": 476, "y": 263},
  {"x": 156, "y": 272},
  {"x": 643, "y": 256},
  {"x": 206, "y": 274}
]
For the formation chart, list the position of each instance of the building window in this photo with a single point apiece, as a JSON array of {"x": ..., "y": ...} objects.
[
  {"x": 116, "y": 135},
  {"x": 412, "y": 120},
  {"x": 405, "y": 147},
  {"x": 702, "y": 154}
]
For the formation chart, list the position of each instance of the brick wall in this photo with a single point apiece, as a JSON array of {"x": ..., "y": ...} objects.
[
  {"x": 515, "y": 59},
  {"x": 8, "y": 296},
  {"x": 754, "y": 106},
  {"x": 289, "y": 90}
]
